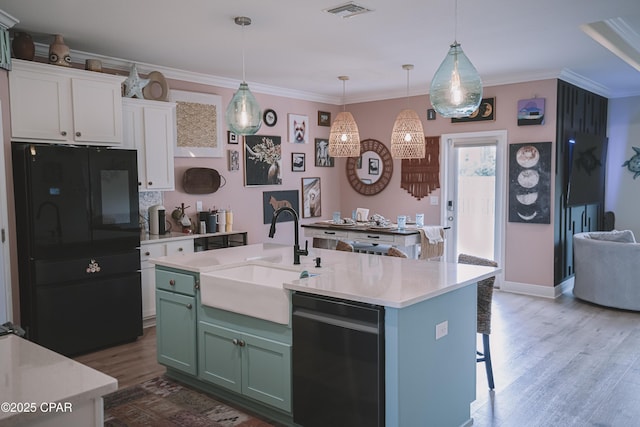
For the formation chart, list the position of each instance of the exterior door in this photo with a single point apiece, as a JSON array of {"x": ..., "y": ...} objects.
[{"x": 474, "y": 194}]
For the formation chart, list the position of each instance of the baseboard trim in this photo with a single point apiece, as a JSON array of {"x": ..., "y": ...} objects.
[
  {"x": 147, "y": 322},
  {"x": 537, "y": 290}
]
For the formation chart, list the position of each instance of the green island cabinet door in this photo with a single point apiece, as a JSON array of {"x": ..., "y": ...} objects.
[
  {"x": 253, "y": 366},
  {"x": 176, "y": 321}
]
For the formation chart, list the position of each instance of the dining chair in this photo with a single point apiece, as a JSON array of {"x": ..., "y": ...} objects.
[
  {"x": 344, "y": 246},
  {"x": 485, "y": 296},
  {"x": 393, "y": 251}
]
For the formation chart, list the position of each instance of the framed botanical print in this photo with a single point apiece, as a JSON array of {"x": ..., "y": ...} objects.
[{"x": 263, "y": 161}]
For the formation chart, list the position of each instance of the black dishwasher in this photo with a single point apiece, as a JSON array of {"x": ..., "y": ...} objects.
[{"x": 338, "y": 362}]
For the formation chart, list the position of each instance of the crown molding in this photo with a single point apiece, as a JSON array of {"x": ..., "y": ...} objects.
[
  {"x": 125, "y": 65},
  {"x": 7, "y": 21}
]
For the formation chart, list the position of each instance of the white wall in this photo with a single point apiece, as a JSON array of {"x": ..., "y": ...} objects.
[{"x": 622, "y": 190}]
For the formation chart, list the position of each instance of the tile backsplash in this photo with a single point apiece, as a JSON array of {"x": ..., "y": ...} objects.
[{"x": 146, "y": 200}]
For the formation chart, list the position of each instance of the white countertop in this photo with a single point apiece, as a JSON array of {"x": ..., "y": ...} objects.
[
  {"x": 30, "y": 373},
  {"x": 388, "y": 281},
  {"x": 173, "y": 236}
]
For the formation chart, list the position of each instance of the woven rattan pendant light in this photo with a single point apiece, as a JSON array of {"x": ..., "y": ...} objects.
[
  {"x": 344, "y": 137},
  {"x": 407, "y": 137}
]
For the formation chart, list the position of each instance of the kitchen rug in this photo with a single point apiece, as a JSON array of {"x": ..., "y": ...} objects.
[{"x": 163, "y": 402}]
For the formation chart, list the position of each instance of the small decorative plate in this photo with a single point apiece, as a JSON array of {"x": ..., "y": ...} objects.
[{"x": 270, "y": 117}]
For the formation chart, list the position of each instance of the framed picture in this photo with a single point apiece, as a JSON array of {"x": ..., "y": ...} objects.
[
  {"x": 324, "y": 118},
  {"x": 198, "y": 124},
  {"x": 322, "y": 153},
  {"x": 262, "y": 160},
  {"x": 311, "y": 201},
  {"x": 298, "y": 129},
  {"x": 530, "y": 182},
  {"x": 274, "y": 200},
  {"x": 297, "y": 162},
  {"x": 531, "y": 111},
  {"x": 374, "y": 166},
  {"x": 232, "y": 138},
  {"x": 233, "y": 158},
  {"x": 486, "y": 111}
]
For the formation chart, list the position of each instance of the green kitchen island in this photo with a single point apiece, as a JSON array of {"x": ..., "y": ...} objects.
[{"x": 222, "y": 332}]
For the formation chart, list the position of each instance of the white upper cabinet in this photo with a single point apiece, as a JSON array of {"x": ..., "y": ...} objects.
[
  {"x": 64, "y": 105},
  {"x": 150, "y": 128}
]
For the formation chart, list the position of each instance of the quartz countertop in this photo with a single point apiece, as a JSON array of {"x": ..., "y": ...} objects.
[
  {"x": 32, "y": 374},
  {"x": 173, "y": 236},
  {"x": 388, "y": 281}
]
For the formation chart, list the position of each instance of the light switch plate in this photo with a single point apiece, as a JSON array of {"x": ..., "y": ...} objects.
[
  {"x": 199, "y": 206},
  {"x": 434, "y": 200}
]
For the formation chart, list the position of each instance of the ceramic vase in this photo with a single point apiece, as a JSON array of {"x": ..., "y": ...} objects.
[
  {"x": 23, "y": 47},
  {"x": 59, "y": 52}
]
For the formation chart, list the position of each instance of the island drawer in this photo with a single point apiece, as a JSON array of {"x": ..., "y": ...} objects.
[
  {"x": 372, "y": 237},
  {"x": 175, "y": 282},
  {"x": 326, "y": 234}
]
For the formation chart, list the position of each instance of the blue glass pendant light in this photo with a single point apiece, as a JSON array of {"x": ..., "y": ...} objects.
[
  {"x": 456, "y": 88},
  {"x": 243, "y": 112}
]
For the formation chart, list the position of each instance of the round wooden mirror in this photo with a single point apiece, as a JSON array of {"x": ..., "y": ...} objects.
[{"x": 370, "y": 173}]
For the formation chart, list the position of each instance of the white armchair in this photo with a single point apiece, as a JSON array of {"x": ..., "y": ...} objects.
[{"x": 607, "y": 268}]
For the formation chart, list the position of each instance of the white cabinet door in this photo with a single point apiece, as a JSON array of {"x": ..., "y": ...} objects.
[
  {"x": 40, "y": 106},
  {"x": 59, "y": 104},
  {"x": 97, "y": 111},
  {"x": 159, "y": 136},
  {"x": 149, "y": 127}
]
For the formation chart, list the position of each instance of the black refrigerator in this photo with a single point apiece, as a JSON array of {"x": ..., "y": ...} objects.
[{"x": 78, "y": 239}]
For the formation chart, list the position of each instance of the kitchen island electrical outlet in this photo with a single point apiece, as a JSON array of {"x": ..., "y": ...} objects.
[
  {"x": 442, "y": 329},
  {"x": 199, "y": 206}
]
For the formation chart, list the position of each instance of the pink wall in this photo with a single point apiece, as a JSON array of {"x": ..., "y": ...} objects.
[
  {"x": 528, "y": 247},
  {"x": 246, "y": 202}
]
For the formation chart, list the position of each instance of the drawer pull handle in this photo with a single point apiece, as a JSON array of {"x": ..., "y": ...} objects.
[
  {"x": 372, "y": 237},
  {"x": 172, "y": 282},
  {"x": 189, "y": 306},
  {"x": 330, "y": 232}
]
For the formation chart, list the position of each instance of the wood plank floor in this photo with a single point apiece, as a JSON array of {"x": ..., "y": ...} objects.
[
  {"x": 559, "y": 362},
  {"x": 131, "y": 363}
]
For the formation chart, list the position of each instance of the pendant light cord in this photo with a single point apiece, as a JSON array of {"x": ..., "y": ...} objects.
[
  {"x": 344, "y": 107},
  {"x": 455, "y": 22},
  {"x": 243, "y": 72},
  {"x": 408, "y": 69}
]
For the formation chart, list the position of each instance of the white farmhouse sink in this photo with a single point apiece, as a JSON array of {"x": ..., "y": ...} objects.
[{"x": 251, "y": 289}]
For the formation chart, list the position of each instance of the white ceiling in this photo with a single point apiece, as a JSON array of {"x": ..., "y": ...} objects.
[{"x": 295, "y": 48}]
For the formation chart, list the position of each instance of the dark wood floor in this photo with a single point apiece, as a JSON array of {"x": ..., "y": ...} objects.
[{"x": 557, "y": 362}]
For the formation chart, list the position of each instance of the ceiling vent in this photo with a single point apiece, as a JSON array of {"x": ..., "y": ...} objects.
[{"x": 348, "y": 10}]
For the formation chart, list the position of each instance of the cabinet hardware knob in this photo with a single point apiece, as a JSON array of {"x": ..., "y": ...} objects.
[
  {"x": 149, "y": 183},
  {"x": 180, "y": 249},
  {"x": 172, "y": 282},
  {"x": 63, "y": 133},
  {"x": 241, "y": 343},
  {"x": 147, "y": 253},
  {"x": 189, "y": 306},
  {"x": 235, "y": 341},
  {"x": 139, "y": 183},
  {"x": 78, "y": 133}
]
